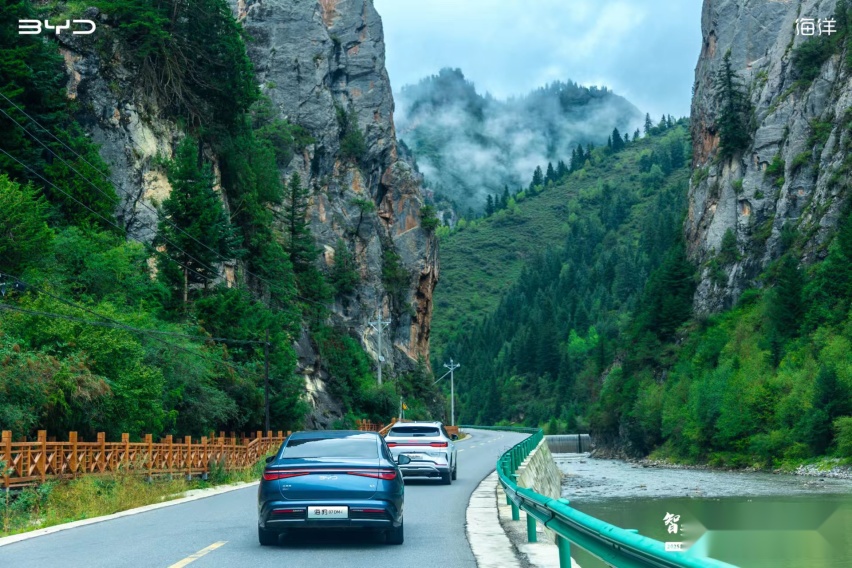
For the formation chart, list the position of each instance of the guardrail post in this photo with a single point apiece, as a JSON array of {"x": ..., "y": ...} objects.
[
  {"x": 516, "y": 514},
  {"x": 149, "y": 439},
  {"x": 42, "y": 467},
  {"x": 188, "y": 441},
  {"x": 102, "y": 465},
  {"x": 73, "y": 464},
  {"x": 564, "y": 551},
  {"x": 532, "y": 536},
  {"x": 7, "y": 456}
]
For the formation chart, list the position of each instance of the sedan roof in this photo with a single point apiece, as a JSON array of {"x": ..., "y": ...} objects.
[{"x": 325, "y": 434}]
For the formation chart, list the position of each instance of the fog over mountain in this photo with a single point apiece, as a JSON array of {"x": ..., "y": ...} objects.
[{"x": 469, "y": 145}]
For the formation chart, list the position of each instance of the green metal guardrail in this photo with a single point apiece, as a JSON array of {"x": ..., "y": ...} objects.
[{"x": 616, "y": 546}]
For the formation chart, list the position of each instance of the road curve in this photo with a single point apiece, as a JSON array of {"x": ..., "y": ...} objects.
[{"x": 221, "y": 531}]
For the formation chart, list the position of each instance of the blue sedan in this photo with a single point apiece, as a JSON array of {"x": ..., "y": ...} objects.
[{"x": 341, "y": 479}]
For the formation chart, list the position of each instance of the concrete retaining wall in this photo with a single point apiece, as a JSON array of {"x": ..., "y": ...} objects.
[{"x": 540, "y": 473}]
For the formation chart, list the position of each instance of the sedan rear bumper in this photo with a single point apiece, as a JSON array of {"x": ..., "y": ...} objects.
[{"x": 372, "y": 514}]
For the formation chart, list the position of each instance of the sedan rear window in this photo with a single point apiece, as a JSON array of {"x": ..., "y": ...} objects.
[
  {"x": 414, "y": 431},
  {"x": 331, "y": 448}
]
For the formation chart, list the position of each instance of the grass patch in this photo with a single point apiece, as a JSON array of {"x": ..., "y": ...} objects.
[{"x": 58, "y": 502}]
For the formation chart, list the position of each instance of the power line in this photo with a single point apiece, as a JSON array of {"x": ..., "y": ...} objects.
[
  {"x": 106, "y": 177},
  {"x": 153, "y": 249},
  {"x": 125, "y": 327},
  {"x": 117, "y": 325},
  {"x": 116, "y": 201}
]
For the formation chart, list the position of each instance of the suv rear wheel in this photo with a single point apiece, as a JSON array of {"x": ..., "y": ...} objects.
[
  {"x": 446, "y": 478},
  {"x": 455, "y": 472}
]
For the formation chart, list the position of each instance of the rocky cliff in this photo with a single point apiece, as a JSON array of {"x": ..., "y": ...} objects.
[
  {"x": 786, "y": 181},
  {"x": 313, "y": 59}
]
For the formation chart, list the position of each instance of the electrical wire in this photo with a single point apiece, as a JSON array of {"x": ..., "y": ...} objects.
[
  {"x": 118, "y": 325},
  {"x": 106, "y": 177}
]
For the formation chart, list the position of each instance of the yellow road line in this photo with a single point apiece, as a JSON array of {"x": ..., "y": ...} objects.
[{"x": 193, "y": 557}]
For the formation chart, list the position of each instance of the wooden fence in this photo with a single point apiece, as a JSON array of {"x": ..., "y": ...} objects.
[{"x": 27, "y": 462}]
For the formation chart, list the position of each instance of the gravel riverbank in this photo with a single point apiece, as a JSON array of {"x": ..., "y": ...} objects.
[{"x": 597, "y": 479}]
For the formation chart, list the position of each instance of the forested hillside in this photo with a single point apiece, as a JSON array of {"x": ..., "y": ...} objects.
[
  {"x": 469, "y": 145},
  {"x": 537, "y": 295},
  {"x": 148, "y": 310},
  {"x": 729, "y": 343}
]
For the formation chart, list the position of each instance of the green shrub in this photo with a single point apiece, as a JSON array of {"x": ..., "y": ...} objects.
[
  {"x": 843, "y": 435},
  {"x": 801, "y": 160},
  {"x": 428, "y": 219}
]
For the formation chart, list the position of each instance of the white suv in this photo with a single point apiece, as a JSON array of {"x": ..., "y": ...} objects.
[{"x": 431, "y": 450}]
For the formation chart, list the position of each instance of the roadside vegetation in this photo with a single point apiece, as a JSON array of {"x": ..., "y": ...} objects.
[
  {"x": 57, "y": 502},
  {"x": 76, "y": 277}
]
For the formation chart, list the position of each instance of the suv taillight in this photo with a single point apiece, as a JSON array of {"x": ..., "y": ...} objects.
[{"x": 438, "y": 444}]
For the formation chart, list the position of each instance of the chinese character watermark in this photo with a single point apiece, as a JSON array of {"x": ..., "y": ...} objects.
[
  {"x": 671, "y": 522},
  {"x": 35, "y": 27},
  {"x": 819, "y": 26}
]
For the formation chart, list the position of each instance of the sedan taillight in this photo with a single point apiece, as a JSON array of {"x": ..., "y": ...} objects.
[
  {"x": 387, "y": 474},
  {"x": 272, "y": 475}
]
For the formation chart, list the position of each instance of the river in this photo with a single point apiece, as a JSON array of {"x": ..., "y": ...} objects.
[{"x": 749, "y": 519}]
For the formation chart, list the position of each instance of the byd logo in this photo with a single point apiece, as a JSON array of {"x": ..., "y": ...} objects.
[{"x": 34, "y": 27}]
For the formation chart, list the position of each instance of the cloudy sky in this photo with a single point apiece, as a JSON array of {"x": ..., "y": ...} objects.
[{"x": 644, "y": 50}]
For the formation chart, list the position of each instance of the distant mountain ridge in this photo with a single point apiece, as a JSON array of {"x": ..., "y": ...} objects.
[{"x": 470, "y": 145}]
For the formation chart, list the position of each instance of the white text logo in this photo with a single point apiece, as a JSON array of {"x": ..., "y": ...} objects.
[{"x": 35, "y": 27}]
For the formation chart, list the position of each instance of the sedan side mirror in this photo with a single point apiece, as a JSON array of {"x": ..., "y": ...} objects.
[
  {"x": 403, "y": 459},
  {"x": 270, "y": 459},
  {"x": 454, "y": 437}
]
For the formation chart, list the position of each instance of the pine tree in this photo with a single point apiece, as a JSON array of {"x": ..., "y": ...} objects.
[
  {"x": 538, "y": 178},
  {"x": 636, "y": 135},
  {"x": 785, "y": 309},
  {"x": 561, "y": 170},
  {"x": 551, "y": 173},
  {"x": 344, "y": 274},
  {"x": 194, "y": 229},
  {"x": 489, "y": 206},
  {"x": 617, "y": 140},
  {"x": 298, "y": 242},
  {"x": 648, "y": 124},
  {"x": 734, "y": 110},
  {"x": 504, "y": 201}
]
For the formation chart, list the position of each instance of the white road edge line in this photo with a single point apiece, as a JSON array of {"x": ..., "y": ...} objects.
[{"x": 202, "y": 494}]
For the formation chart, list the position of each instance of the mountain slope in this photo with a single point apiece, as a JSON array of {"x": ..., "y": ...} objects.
[
  {"x": 631, "y": 200},
  {"x": 468, "y": 145}
]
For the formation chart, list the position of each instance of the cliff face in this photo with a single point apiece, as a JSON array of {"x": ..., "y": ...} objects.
[
  {"x": 312, "y": 58},
  {"x": 799, "y": 126}
]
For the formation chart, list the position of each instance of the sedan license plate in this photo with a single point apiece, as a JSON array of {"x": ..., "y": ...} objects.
[{"x": 328, "y": 512}]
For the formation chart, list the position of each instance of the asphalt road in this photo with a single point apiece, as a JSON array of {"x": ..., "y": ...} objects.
[{"x": 221, "y": 531}]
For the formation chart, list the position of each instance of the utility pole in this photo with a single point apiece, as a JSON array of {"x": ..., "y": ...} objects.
[
  {"x": 379, "y": 325},
  {"x": 266, "y": 378},
  {"x": 452, "y": 367}
]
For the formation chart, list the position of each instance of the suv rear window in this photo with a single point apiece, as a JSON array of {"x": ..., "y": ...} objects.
[
  {"x": 331, "y": 448},
  {"x": 414, "y": 431}
]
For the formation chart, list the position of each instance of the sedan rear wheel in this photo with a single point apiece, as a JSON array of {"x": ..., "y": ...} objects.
[
  {"x": 396, "y": 535},
  {"x": 267, "y": 538}
]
